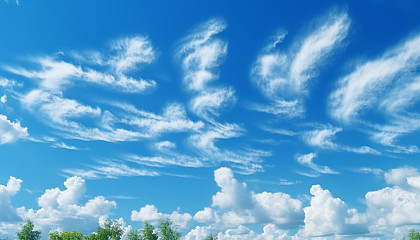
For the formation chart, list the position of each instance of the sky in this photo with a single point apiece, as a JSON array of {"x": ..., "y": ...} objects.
[{"x": 245, "y": 119}]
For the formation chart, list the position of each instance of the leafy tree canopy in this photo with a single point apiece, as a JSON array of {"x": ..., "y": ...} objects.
[{"x": 27, "y": 232}]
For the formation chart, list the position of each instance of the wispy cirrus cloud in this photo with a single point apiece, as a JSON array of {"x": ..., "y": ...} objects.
[
  {"x": 201, "y": 53},
  {"x": 109, "y": 169},
  {"x": 323, "y": 137},
  {"x": 110, "y": 70},
  {"x": 307, "y": 160},
  {"x": 283, "y": 77},
  {"x": 388, "y": 84}
]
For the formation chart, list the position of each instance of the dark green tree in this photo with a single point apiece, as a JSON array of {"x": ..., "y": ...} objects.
[
  {"x": 211, "y": 237},
  {"x": 148, "y": 232},
  {"x": 413, "y": 235},
  {"x": 133, "y": 235},
  {"x": 27, "y": 232},
  {"x": 110, "y": 231},
  {"x": 168, "y": 230},
  {"x": 73, "y": 235},
  {"x": 55, "y": 235}
]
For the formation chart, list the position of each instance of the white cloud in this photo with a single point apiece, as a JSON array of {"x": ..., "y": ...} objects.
[
  {"x": 270, "y": 232},
  {"x": 165, "y": 145},
  {"x": 7, "y": 83},
  {"x": 307, "y": 160},
  {"x": 129, "y": 52},
  {"x": 238, "y": 206},
  {"x": 201, "y": 54},
  {"x": 328, "y": 216},
  {"x": 388, "y": 85},
  {"x": 3, "y": 99},
  {"x": 60, "y": 209},
  {"x": 8, "y": 213},
  {"x": 150, "y": 213},
  {"x": 367, "y": 170},
  {"x": 208, "y": 103},
  {"x": 288, "y": 109},
  {"x": 110, "y": 169},
  {"x": 208, "y": 215},
  {"x": 364, "y": 87},
  {"x": 399, "y": 176},
  {"x": 284, "y": 77},
  {"x": 173, "y": 119},
  {"x": 322, "y": 137},
  {"x": 11, "y": 131},
  {"x": 233, "y": 194}
]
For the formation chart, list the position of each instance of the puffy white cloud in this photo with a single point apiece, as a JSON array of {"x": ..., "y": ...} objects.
[
  {"x": 60, "y": 209},
  {"x": 399, "y": 176},
  {"x": 327, "y": 216},
  {"x": 284, "y": 77},
  {"x": 237, "y": 205},
  {"x": 11, "y": 131},
  {"x": 8, "y": 213},
  {"x": 3, "y": 99},
  {"x": 150, "y": 213},
  {"x": 307, "y": 160},
  {"x": 233, "y": 194},
  {"x": 208, "y": 215}
]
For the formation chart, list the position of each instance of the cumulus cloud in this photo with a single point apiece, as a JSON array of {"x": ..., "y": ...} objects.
[
  {"x": 8, "y": 213},
  {"x": 150, "y": 213},
  {"x": 235, "y": 205},
  {"x": 328, "y": 216},
  {"x": 60, "y": 209},
  {"x": 283, "y": 77},
  {"x": 11, "y": 131}
]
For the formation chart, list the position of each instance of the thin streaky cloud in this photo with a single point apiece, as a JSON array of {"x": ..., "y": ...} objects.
[
  {"x": 307, "y": 160},
  {"x": 283, "y": 77}
]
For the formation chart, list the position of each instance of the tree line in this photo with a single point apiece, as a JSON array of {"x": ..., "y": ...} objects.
[{"x": 166, "y": 230}]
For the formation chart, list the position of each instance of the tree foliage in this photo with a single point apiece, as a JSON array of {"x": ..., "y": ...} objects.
[
  {"x": 413, "y": 235},
  {"x": 27, "y": 232},
  {"x": 168, "y": 230},
  {"x": 73, "y": 235},
  {"x": 110, "y": 231},
  {"x": 148, "y": 232}
]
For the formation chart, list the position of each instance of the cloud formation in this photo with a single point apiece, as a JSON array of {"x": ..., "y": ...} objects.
[
  {"x": 283, "y": 77},
  {"x": 11, "y": 131}
]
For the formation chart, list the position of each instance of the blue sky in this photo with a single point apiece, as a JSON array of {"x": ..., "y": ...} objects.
[{"x": 245, "y": 119}]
